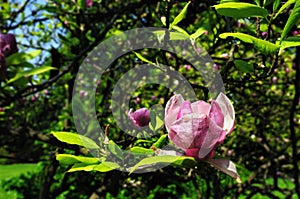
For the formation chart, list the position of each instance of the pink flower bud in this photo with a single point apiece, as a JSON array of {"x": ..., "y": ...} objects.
[
  {"x": 296, "y": 32},
  {"x": 264, "y": 34},
  {"x": 140, "y": 117},
  {"x": 8, "y": 44},
  {"x": 206, "y": 32},
  {"x": 187, "y": 66},
  {"x": 153, "y": 97},
  {"x": 137, "y": 100},
  {"x": 198, "y": 128},
  {"x": 274, "y": 79}
]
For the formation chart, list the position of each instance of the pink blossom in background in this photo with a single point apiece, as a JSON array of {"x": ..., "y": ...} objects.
[
  {"x": 89, "y": 3},
  {"x": 140, "y": 117},
  {"x": 198, "y": 128}
]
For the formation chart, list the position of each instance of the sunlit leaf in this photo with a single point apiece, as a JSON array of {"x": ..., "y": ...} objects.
[
  {"x": 142, "y": 150},
  {"x": 261, "y": 45},
  {"x": 292, "y": 20},
  {"x": 115, "y": 149},
  {"x": 18, "y": 58},
  {"x": 74, "y": 138},
  {"x": 284, "y": 6},
  {"x": 181, "y": 15},
  {"x": 72, "y": 159},
  {"x": 290, "y": 42},
  {"x": 161, "y": 141},
  {"x": 241, "y": 10},
  {"x": 28, "y": 73}
]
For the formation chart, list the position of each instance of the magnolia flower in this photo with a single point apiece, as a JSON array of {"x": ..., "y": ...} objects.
[
  {"x": 140, "y": 117},
  {"x": 198, "y": 128}
]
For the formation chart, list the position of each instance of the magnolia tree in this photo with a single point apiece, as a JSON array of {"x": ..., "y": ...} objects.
[{"x": 131, "y": 99}]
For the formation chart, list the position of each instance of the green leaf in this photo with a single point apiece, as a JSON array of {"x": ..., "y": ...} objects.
[
  {"x": 292, "y": 20},
  {"x": 181, "y": 15},
  {"x": 261, "y": 45},
  {"x": 155, "y": 121},
  {"x": 74, "y": 138},
  {"x": 69, "y": 159},
  {"x": 28, "y": 73},
  {"x": 173, "y": 35},
  {"x": 161, "y": 141},
  {"x": 163, "y": 20},
  {"x": 106, "y": 166},
  {"x": 18, "y": 58},
  {"x": 115, "y": 149},
  {"x": 290, "y": 42},
  {"x": 180, "y": 30},
  {"x": 241, "y": 10},
  {"x": 137, "y": 149},
  {"x": 141, "y": 57},
  {"x": 244, "y": 66},
  {"x": 103, "y": 167},
  {"x": 200, "y": 31},
  {"x": 228, "y": 1},
  {"x": 287, "y": 4},
  {"x": 167, "y": 159},
  {"x": 276, "y": 4},
  {"x": 185, "y": 161}
]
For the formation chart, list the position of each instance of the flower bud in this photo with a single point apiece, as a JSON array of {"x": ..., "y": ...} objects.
[{"x": 140, "y": 117}]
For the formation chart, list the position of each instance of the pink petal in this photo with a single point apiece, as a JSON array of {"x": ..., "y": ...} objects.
[
  {"x": 228, "y": 112},
  {"x": 182, "y": 132},
  {"x": 227, "y": 167},
  {"x": 216, "y": 113},
  {"x": 214, "y": 134},
  {"x": 192, "y": 152},
  {"x": 184, "y": 109},
  {"x": 201, "y": 107},
  {"x": 172, "y": 109}
]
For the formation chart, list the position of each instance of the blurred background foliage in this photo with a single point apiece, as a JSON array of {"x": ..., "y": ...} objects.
[{"x": 35, "y": 99}]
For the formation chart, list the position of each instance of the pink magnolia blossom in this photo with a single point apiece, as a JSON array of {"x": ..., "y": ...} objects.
[
  {"x": 89, "y": 3},
  {"x": 198, "y": 128},
  {"x": 140, "y": 117}
]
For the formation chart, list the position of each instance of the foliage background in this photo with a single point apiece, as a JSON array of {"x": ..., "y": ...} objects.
[{"x": 36, "y": 100}]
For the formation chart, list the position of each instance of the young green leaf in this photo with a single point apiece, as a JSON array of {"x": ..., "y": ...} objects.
[
  {"x": 31, "y": 72},
  {"x": 102, "y": 167},
  {"x": 161, "y": 141},
  {"x": 69, "y": 159},
  {"x": 261, "y": 45},
  {"x": 200, "y": 31},
  {"x": 141, "y": 57},
  {"x": 244, "y": 66},
  {"x": 241, "y": 10},
  {"x": 106, "y": 166},
  {"x": 180, "y": 30},
  {"x": 115, "y": 149},
  {"x": 181, "y": 15},
  {"x": 18, "y": 58},
  {"x": 142, "y": 150},
  {"x": 292, "y": 20},
  {"x": 290, "y": 42},
  {"x": 167, "y": 159},
  {"x": 276, "y": 4},
  {"x": 74, "y": 138},
  {"x": 284, "y": 6}
]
